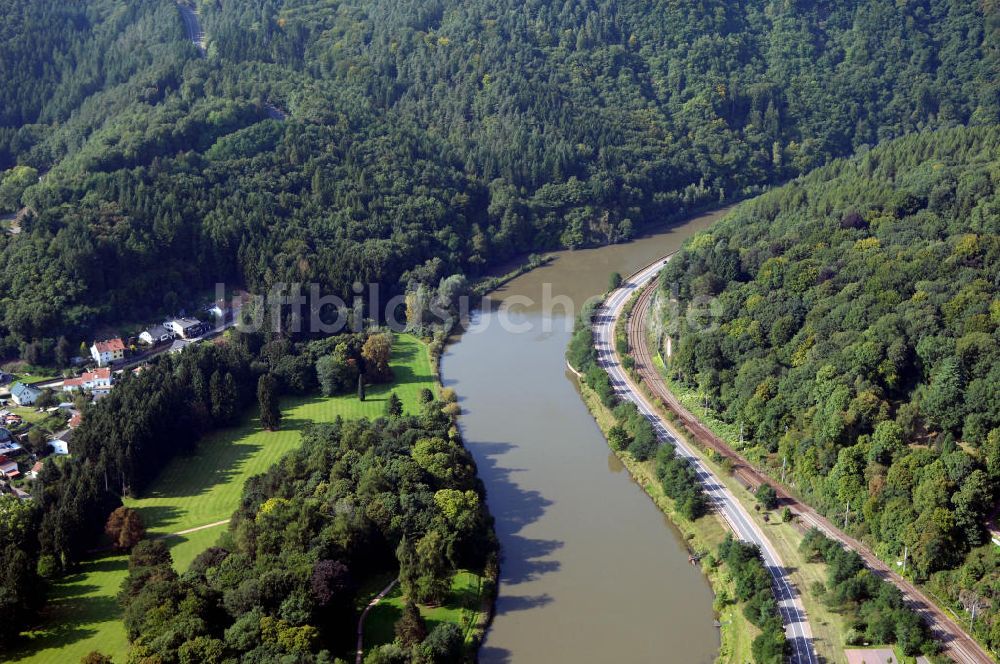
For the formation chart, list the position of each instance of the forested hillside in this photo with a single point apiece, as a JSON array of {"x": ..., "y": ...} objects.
[
  {"x": 460, "y": 131},
  {"x": 849, "y": 324}
]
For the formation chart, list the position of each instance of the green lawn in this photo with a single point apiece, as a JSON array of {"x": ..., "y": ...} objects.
[
  {"x": 461, "y": 608},
  {"x": 28, "y": 414},
  {"x": 205, "y": 487},
  {"x": 197, "y": 490}
]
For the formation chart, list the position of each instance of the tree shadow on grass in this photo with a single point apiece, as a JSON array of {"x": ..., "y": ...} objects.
[
  {"x": 74, "y": 603},
  {"x": 156, "y": 517},
  {"x": 216, "y": 462}
]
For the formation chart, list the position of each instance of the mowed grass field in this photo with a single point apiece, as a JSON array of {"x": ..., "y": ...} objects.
[{"x": 197, "y": 490}]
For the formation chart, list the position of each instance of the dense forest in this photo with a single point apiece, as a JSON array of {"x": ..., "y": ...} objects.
[
  {"x": 848, "y": 325},
  {"x": 359, "y": 498},
  {"x": 358, "y": 140}
]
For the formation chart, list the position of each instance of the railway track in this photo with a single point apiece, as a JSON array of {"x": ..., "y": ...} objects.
[
  {"x": 798, "y": 631},
  {"x": 957, "y": 644}
]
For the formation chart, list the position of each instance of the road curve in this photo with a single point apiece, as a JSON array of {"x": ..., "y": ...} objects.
[
  {"x": 793, "y": 614},
  {"x": 359, "y": 655},
  {"x": 958, "y": 645}
]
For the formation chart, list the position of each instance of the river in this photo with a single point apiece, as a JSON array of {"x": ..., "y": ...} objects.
[{"x": 591, "y": 570}]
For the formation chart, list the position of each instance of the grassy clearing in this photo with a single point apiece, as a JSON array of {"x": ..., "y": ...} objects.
[
  {"x": 28, "y": 414},
  {"x": 462, "y": 608},
  {"x": 205, "y": 487},
  {"x": 196, "y": 490},
  {"x": 702, "y": 536}
]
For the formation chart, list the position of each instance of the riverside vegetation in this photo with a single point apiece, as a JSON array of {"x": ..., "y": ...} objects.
[
  {"x": 854, "y": 341},
  {"x": 319, "y": 142},
  {"x": 671, "y": 481}
]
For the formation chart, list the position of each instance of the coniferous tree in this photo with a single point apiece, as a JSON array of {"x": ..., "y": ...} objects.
[
  {"x": 410, "y": 628},
  {"x": 394, "y": 406},
  {"x": 267, "y": 400}
]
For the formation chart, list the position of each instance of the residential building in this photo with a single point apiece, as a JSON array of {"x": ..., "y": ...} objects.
[
  {"x": 179, "y": 346},
  {"x": 8, "y": 468},
  {"x": 185, "y": 328},
  {"x": 35, "y": 470},
  {"x": 221, "y": 311},
  {"x": 9, "y": 419},
  {"x": 93, "y": 381},
  {"x": 24, "y": 395},
  {"x": 870, "y": 656},
  {"x": 59, "y": 446},
  {"x": 156, "y": 335},
  {"x": 108, "y": 351},
  {"x": 75, "y": 420},
  {"x": 8, "y": 444}
]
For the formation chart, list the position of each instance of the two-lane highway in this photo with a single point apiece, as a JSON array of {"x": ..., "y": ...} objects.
[
  {"x": 793, "y": 614},
  {"x": 958, "y": 645}
]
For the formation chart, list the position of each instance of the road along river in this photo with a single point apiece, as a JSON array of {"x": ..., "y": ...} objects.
[
  {"x": 793, "y": 615},
  {"x": 592, "y": 571}
]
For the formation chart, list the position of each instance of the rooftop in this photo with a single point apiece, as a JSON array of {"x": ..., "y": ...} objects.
[
  {"x": 871, "y": 656},
  {"x": 19, "y": 389},
  {"x": 110, "y": 345}
]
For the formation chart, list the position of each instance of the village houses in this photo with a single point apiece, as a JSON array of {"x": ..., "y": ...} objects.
[
  {"x": 8, "y": 468},
  {"x": 94, "y": 381},
  {"x": 185, "y": 328},
  {"x": 24, "y": 395},
  {"x": 108, "y": 351},
  {"x": 157, "y": 334}
]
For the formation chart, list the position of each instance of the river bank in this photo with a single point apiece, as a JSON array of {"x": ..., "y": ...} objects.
[
  {"x": 702, "y": 537},
  {"x": 589, "y": 564}
]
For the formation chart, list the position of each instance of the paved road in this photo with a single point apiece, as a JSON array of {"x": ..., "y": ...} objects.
[
  {"x": 192, "y": 26},
  {"x": 958, "y": 645},
  {"x": 359, "y": 656},
  {"x": 145, "y": 355},
  {"x": 793, "y": 613}
]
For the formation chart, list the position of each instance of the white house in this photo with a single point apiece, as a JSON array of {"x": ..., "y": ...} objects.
[
  {"x": 221, "y": 311},
  {"x": 185, "y": 328},
  {"x": 24, "y": 395},
  {"x": 156, "y": 335},
  {"x": 100, "y": 379},
  {"x": 59, "y": 446},
  {"x": 108, "y": 351},
  {"x": 179, "y": 346}
]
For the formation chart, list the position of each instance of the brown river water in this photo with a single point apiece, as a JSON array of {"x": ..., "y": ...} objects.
[{"x": 591, "y": 570}]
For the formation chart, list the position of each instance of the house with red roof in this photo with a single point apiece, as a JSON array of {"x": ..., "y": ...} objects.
[
  {"x": 8, "y": 467},
  {"x": 100, "y": 379},
  {"x": 108, "y": 351}
]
